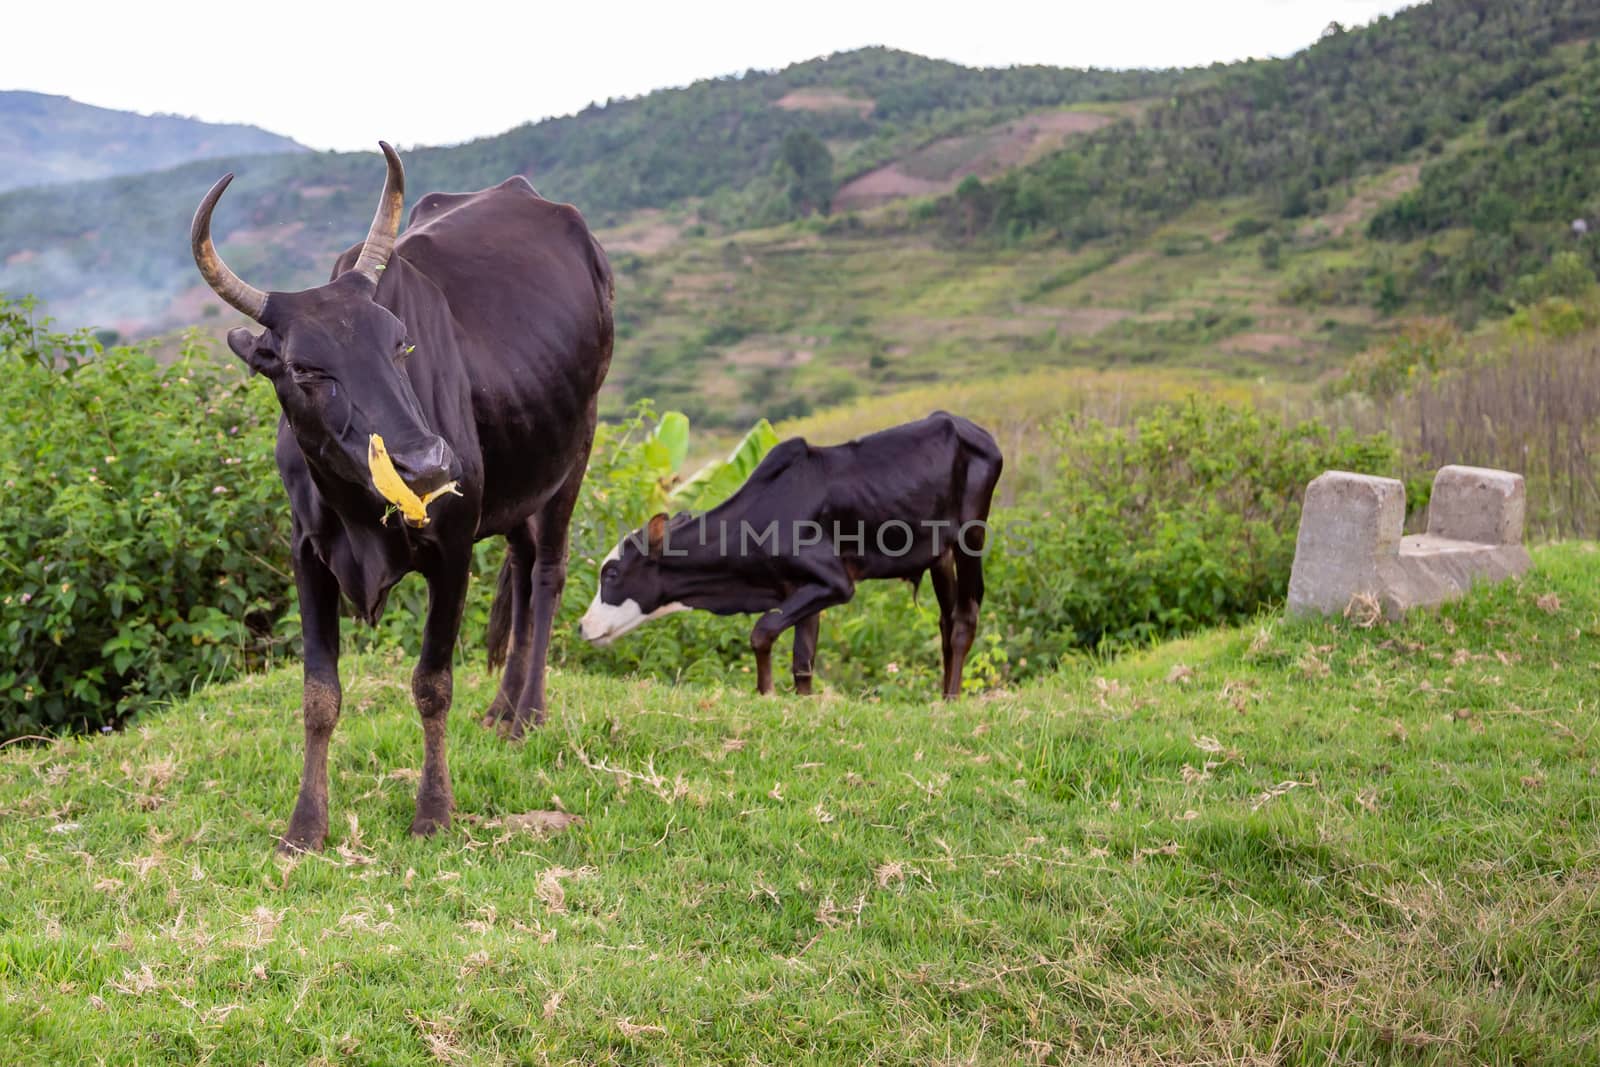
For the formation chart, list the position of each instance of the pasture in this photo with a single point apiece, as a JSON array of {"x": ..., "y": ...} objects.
[{"x": 1282, "y": 843}]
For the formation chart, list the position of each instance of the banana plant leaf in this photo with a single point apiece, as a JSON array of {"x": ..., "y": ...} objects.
[
  {"x": 664, "y": 452},
  {"x": 719, "y": 479}
]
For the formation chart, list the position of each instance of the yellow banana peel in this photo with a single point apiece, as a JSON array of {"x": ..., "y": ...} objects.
[{"x": 388, "y": 482}]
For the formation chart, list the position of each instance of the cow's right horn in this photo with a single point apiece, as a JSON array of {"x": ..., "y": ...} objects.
[{"x": 226, "y": 284}]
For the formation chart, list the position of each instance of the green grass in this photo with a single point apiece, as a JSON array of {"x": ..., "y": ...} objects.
[{"x": 1289, "y": 843}]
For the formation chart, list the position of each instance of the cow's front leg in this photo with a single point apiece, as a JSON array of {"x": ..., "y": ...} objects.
[
  {"x": 431, "y": 686},
  {"x": 802, "y": 604},
  {"x": 319, "y": 629},
  {"x": 805, "y": 652}
]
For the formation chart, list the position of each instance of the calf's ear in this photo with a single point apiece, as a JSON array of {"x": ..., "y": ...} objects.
[
  {"x": 257, "y": 352},
  {"x": 656, "y": 532}
]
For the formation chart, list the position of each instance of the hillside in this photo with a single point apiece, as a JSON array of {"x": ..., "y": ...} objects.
[
  {"x": 46, "y": 140},
  {"x": 1408, "y": 88},
  {"x": 1265, "y": 219},
  {"x": 114, "y": 253},
  {"x": 1272, "y": 220},
  {"x": 1278, "y": 844},
  {"x": 1260, "y": 219}
]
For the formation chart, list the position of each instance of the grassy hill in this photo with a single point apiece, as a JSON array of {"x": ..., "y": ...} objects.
[
  {"x": 1285, "y": 843},
  {"x": 46, "y": 140},
  {"x": 786, "y": 321}
]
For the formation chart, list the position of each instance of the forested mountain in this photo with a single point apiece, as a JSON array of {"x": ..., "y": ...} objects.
[
  {"x": 116, "y": 250},
  {"x": 1529, "y": 191},
  {"x": 1297, "y": 129},
  {"x": 50, "y": 139},
  {"x": 1270, "y": 219}
]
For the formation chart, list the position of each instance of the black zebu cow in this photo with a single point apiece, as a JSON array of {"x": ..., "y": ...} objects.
[
  {"x": 475, "y": 346},
  {"x": 809, "y": 524}
]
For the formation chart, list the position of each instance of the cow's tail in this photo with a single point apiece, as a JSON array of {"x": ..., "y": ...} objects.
[{"x": 499, "y": 636}]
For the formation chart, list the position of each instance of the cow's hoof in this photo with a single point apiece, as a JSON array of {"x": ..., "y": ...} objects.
[
  {"x": 516, "y": 727},
  {"x": 297, "y": 842},
  {"x": 426, "y": 824},
  {"x": 500, "y": 711}
]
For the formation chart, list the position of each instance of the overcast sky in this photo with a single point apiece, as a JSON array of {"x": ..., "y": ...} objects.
[{"x": 334, "y": 74}]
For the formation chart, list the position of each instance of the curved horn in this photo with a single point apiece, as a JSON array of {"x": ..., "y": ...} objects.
[
  {"x": 379, "y": 244},
  {"x": 226, "y": 284}
]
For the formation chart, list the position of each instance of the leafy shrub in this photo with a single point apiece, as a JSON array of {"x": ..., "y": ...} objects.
[
  {"x": 1421, "y": 347},
  {"x": 144, "y": 548},
  {"x": 1186, "y": 518},
  {"x": 1566, "y": 277}
]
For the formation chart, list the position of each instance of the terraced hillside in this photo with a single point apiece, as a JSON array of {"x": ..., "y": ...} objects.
[{"x": 793, "y": 319}]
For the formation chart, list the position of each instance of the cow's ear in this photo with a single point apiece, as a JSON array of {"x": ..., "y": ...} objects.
[
  {"x": 656, "y": 532},
  {"x": 258, "y": 353}
]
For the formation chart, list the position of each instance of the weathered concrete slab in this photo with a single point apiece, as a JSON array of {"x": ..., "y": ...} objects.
[{"x": 1350, "y": 546}]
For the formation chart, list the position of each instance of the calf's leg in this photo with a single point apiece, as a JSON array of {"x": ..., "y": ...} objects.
[
  {"x": 319, "y": 629},
  {"x": 943, "y": 574},
  {"x": 964, "y": 624},
  {"x": 431, "y": 685},
  {"x": 805, "y": 652},
  {"x": 803, "y": 603}
]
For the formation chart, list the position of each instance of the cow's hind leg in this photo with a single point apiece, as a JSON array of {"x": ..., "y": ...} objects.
[
  {"x": 516, "y": 587},
  {"x": 943, "y": 576},
  {"x": 431, "y": 685},
  {"x": 972, "y": 536},
  {"x": 319, "y": 627},
  {"x": 805, "y": 652},
  {"x": 549, "y": 579},
  {"x": 964, "y": 624}
]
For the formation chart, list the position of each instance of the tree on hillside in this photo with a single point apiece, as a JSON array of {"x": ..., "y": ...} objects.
[{"x": 807, "y": 168}]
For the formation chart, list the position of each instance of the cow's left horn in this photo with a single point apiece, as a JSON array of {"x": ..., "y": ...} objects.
[
  {"x": 379, "y": 244},
  {"x": 226, "y": 284}
]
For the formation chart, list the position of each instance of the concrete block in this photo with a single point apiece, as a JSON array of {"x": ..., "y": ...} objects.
[
  {"x": 1477, "y": 504},
  {"x": 1349, "y": 536},
  {"x": 1350, "y": 544}
]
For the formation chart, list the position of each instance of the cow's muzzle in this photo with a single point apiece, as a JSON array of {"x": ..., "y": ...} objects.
[{"x": 427, "y": 468}]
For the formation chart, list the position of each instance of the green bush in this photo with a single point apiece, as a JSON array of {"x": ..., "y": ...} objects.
[
  {"x": 1187, "y": 518},
  {"x": 144, "y": 545},
  {"x": 1420, "y": 348}
]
